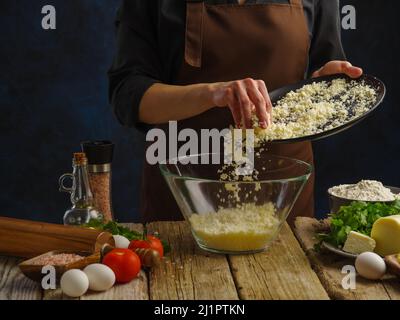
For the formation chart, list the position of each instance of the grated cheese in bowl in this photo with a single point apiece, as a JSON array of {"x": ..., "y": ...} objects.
[
  {"x": 249, "y": 228},
  {"x": 230, "y": 213}
]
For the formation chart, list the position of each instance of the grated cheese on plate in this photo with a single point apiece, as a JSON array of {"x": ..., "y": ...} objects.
[{"x": 316, "y": 108}]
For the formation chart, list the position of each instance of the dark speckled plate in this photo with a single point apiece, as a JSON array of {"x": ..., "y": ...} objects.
[
  {"x": 377, "y": 84},
  {"x": 338, "y": 251}
]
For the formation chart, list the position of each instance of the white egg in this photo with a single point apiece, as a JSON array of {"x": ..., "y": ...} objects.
[
  {"x": 370, "y": 266},
  {"x": 74, "y": 283},
  {"x": 121, "y": 242},
  {"x": 101, "y": 277}
]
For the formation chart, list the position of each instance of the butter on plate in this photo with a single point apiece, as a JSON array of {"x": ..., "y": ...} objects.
[{"x": 358, "y": 243}]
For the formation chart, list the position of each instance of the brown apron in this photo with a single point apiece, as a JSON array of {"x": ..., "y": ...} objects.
[{"x": 231, "y": 42}]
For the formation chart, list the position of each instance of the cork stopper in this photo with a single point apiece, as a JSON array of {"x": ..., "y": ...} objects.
[{"x": 80, "y": 158}]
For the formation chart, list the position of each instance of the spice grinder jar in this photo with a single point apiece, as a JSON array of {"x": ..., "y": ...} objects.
[{"x": 100, "y": 156}]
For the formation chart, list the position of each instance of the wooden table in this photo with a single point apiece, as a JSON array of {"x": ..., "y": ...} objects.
[{"x": 290, "y": 269}]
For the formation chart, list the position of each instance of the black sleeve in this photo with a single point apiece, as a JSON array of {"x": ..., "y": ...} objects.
[
  {"x": 136, "y": 65},
  {"x": 326, "y": 43}
]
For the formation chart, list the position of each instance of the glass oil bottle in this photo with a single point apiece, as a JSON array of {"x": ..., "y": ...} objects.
[{"x": 83, "y": 209}]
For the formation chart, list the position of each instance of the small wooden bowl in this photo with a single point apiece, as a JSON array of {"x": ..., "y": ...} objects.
[{"x": 34, "y": 271}]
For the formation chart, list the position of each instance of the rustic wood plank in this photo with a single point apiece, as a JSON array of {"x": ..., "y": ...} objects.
[
  {"x": 328, "y": 267},
  {"x": 188, "y": 273},
  {"x": 135, "y": 290},
  {"x": 56, "y": 295},
  {"x": 14, "y": 285},
  {"x": 281, "y": 273},
  {"x": 392, "y": 286}
]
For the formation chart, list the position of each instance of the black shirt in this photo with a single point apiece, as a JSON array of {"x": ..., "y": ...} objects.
[{"x": 151, "y": 35}]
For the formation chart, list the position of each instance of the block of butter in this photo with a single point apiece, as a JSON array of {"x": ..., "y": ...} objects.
[
  {"x": 358, "y": 243},
  {"x": 386, "y": 233}
]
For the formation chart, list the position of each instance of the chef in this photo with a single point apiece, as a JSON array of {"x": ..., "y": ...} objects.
[{"x": 210, "y": 64}]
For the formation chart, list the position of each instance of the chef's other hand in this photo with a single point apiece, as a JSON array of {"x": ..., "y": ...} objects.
[
  {"x": 243, "y": 97},
  {"x": 335, "y": 67}
]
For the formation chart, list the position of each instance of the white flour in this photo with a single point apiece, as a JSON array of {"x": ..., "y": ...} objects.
[{"x": 365, "y": 190}]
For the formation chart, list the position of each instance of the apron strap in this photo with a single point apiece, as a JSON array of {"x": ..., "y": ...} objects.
[
  {"x": 194, "y": 32},
  {"x": 297, "y": 2}
]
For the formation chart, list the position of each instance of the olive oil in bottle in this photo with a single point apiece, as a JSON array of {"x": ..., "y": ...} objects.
[{"x": 83, "y": 209}]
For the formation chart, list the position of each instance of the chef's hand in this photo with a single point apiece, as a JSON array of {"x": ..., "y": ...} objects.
[
  {"x": 243, "y": 97},
  {"x": 335, "y": 67}
]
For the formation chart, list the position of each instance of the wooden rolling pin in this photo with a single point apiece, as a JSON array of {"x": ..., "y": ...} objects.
[{"x": 27, "y": 239}]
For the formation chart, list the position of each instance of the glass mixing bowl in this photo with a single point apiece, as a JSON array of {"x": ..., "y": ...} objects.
[{"x": 235, "y": 217}]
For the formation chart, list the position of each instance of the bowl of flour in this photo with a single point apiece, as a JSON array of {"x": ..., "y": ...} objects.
[{"x": 365, "y": 190}]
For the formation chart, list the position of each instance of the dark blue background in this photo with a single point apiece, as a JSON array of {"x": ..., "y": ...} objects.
[{"x": 53, "y": 94}]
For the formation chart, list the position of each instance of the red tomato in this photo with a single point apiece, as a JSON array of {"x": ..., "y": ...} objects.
[
  {"x": 125, "y": 264},
  {"x": 157, "y": 245},
  {"x": 151, "y": 243}
]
